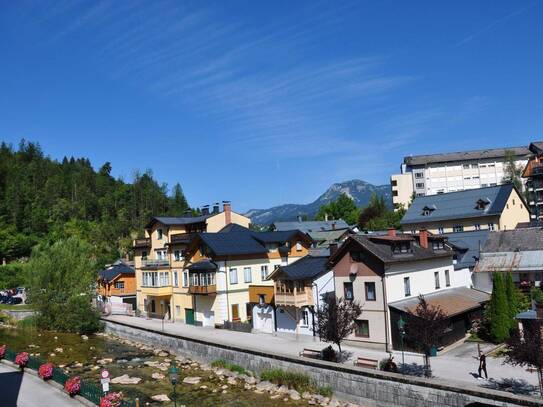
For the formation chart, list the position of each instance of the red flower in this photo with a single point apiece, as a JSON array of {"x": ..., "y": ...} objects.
[
  {"x": 73, "y": 385},
  {"x": 3, "y": 351},
  {"x": 46, "y": 371},
  {"x": 22, "y": 359},
  {"x": 111, "y": 400}
]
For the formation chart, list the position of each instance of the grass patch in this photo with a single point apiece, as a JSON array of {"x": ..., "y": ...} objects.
[
  {"x": 27, "y": 323},
  {"x": 223, "y": 364},
  {"x": 21, "y": 307},
  {"x": 294, "y": 380}
]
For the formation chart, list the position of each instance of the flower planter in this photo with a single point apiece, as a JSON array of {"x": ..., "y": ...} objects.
[
  {"x": 3, "y": 351},
  {"x": 22, "y": 360},
  {"x": 46, "y": 371},
  {"x": 111, "y": 400},
  {"x": 73, "y": 386}
]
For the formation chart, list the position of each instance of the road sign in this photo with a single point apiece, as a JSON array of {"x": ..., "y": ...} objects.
[
  {"x": 104, "y": 374},
  {"x": 105, "y": 386}
]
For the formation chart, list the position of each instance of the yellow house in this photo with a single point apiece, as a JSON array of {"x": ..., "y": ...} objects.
[
  {"x": 499, "y": 207},
  {"x": 228, "y": 274},
  {"x": 162, "y": 288}
]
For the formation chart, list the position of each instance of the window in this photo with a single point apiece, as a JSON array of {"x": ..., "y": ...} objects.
[
  {"x": 466, "y": 166},
  {"x": 419, "y": 175},
  {"x": 159, "y": 234},
  {"x": 440, "y": 230},
  {"x": 298, "y": 247},
  {"x": 447, "y": 278},
  {"x": 402, "y": 247},
  {"x": 149, "y": 279},
  {"x": 491, "y": 226},
  {"x": 177, "y": 255},
  {"x": 438, "y": 245},
  {"x": 185, "y": 278},
  {"x": 477, "y": 226},
  {"x": 436, "y": 279},
  {"x": 263, "y": 272},
  {"x": 247, "y": 274},
  {"x": 394, "y": 183},
  {"x": 164, "y": 278},
  {"x": 362, "y": 328},
  {"x": 305, "y": 317},
  {"x": 161, "y": 254},
  {"x": 144, "y": 255},
  {"x": 370, "y": 291},
  {"x": 119, "y": 285},
  {"x": 175, "y": 279},
  {"x": 419, "y": 185},
  {"x": 233, "y": 276},
  {"x": 348, "y": 291},
  {"x": 394, "y": 193},
  {"x": 406, "y": 287},
  {"x": 458, "y": 228}
]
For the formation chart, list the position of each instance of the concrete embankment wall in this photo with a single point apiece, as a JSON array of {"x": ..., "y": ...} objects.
[
  {"x": 367, "y": 387},
  {"x": 19, "y": 315}
]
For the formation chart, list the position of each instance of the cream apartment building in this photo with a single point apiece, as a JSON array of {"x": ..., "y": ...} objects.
[
  {"x": 499, "y": 207},
  {"x": 449, "y": 172},
  {"x": 159, "y": 260}
]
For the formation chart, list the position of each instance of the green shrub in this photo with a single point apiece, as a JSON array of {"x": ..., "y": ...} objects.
[
  {"x": 298, "y": 381},
  {"x": 223, "y": 364},
  {"x": 28, "y": 323}
]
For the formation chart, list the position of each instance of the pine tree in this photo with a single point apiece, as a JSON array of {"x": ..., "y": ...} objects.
[
  {"x": 498, "y": 312},
  {"x": 512, "y": 295}
]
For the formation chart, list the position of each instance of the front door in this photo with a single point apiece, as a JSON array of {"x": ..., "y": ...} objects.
[
  {"x": 189, "y": 316},
  {"x": 235, "y": 312}
]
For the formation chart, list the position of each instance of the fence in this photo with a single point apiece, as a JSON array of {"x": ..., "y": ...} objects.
[{"x": 89, "y": 391}]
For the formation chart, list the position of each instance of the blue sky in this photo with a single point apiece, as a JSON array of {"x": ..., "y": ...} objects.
[{"x": 264, "y": 103}]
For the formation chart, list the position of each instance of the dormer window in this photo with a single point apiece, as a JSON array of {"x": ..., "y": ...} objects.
[
  {"x": 159, "y": 234},
  {"x": 401, "y": 248},
  {"x": 438, "y": 245},
  {"x": 482, "y": 204},
  {"x": 427, "y": 211}
]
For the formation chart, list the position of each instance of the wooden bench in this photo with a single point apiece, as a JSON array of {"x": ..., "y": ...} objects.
[
  {"x": 311, "y": 353},
  {"x": 367, "y": 363}
]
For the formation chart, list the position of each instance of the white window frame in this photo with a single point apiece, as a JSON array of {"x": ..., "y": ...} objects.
[
  {"x": 264, "y": 272},
  {"x": 175, "y": 279},
  {"x": 437, "y": 282},
  {"x": 233, "y": 275},
  {"x": 298, "y": 247},
  {"x": 491, "y": 226},
  {"x": 447, "y": 278},
  {"x": 247, "y": 275},
  {"x": 407, "y": 287},
  {"x": 185, "y": 278}
]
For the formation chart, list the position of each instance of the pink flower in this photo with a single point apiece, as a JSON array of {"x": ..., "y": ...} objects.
[
  {"x": 73, "y": 385},
  {"x": 3, "y": 351},
  {"x": 111, "y": 400},
  {"x": 46, "y": 371},
  {"x": 21, "y": 359}
]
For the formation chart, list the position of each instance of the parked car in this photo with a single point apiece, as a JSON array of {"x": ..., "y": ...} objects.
[{"x": 15, "y": 301}]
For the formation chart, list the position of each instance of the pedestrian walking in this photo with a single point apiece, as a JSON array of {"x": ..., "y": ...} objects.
[{"x": 482, "y": 365}]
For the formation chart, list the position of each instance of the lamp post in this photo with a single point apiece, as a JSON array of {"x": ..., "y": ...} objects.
[
  {"x": 401, "y": 324},
  {"x": 174, "y": 377}
]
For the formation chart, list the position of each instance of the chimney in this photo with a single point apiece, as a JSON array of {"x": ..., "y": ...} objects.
[
  {"x": 423, "y": 238},
  {"x": 205, "y": 210},
  {"x": 216, "y": 207},
  {"x": 227, "y": 212},
  {"x": 391, "y": 232},
  {"x": 188, "y": 213},
  {"x": 333, "y": 248},
  {"x": 299, "y": 218}
]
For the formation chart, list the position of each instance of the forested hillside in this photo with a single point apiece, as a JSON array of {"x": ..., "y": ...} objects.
[{"x": 42, "y": 199}]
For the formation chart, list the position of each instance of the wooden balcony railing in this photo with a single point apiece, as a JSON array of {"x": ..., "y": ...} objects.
[
  {"x": 203, "y": 289},
  {"x": 142, "y": 243},
  {"x": 295, "y": 299}
]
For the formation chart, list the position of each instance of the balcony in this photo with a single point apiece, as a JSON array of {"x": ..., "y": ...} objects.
[
  {"x": 294, "y": 298},
  {"x": 537, "y": 169},
  {"x": 203, "y": 289},
  {"x": 142, "y": 243},
  {"x": 155, "y": 263}
]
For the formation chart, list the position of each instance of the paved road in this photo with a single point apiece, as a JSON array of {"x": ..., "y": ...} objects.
[
  {"x": 25, "y": 390},
  {"x": 458, "y": 364}
]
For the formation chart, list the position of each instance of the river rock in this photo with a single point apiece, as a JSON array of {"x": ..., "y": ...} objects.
[
  {"x": 232, "y": 381},
  {"x": 104, "y": 361},
  {"x": 161, "y": 398},
  {"x": 265, "y": 386},
  {"x": 125, "y": 379},
  {"x": 52, "y": 354},
  {"x": 294, "y": 395},
  {"x": 157, "y": 376},
  {"x": 192, "y": 380},
  {"x": 59, "y": 350},
  {"x": 77, "y": 365},
  {"x": 85, "y": 337},
  {"x": 275, "y": 396},
  {"x": 282, "y": 389}
]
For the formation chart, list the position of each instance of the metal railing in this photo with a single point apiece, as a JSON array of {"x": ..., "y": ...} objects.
[
  {"x": 89, "y": 391},
  {"x": 155, "y": 262}
]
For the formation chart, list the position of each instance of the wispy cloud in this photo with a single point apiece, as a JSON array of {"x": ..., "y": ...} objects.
[{"x": 495, "y": 23}]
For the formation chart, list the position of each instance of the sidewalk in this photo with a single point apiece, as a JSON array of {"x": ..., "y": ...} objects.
[
  {"x": 25, "y": 390},
  {"x": 459, "y": 364}
]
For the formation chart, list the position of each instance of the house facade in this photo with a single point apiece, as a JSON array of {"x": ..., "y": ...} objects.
[
  {"x": 118, "y": 280},
  {"x": 227, "y": 274},
  {"x": 533, "y": 173},
  {"x": 432, "y": 174},
  {"x": 299, "y": 291},
  {"x": 386, "y": 273},
  {"x": 159, "y": 260},
  {"x": 500, "y": 207}
]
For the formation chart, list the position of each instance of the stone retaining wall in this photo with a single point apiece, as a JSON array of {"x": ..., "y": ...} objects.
[
  {"x": 19, "y": 315},
  {"x": 367, "y": 387}
]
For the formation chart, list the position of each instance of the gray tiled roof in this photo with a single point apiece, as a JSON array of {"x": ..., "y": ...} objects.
[
  {"x": 458, "y": 205},
  {"x": 308, "y": 267},
  {"x": 109, "y": 273},
  {"x": 515, "y": 240},
  {"x": 465, "y": 155},
  {"x": 466, "y": 246},
  {"x": 311, "y": 225},
  {"x": 536, "y": 147},
  {"x": 170, "y": 221}
]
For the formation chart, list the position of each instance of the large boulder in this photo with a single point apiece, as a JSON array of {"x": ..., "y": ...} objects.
[
  {"x": 162, "y": 398},
  {"x": 192, "y": 380},
  {"x": 125, "y": 379}
]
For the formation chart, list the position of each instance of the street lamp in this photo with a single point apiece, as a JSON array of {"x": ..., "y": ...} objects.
[
  {"x": 401, "y": 324},
  {"x": 174, "y": 378}
]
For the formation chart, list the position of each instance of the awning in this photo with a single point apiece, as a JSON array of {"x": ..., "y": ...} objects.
[
  {"x": 453, "y": 301},
  {"x": 203, "y": 265}
]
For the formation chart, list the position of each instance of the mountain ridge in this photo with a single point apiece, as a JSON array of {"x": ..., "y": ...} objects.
[{"x": 360, "y": 191}]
